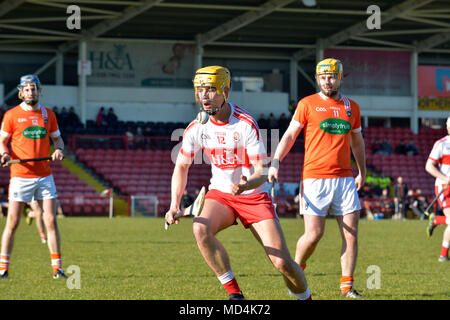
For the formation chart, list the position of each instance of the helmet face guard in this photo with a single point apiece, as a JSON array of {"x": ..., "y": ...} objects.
[
  {"x": 213, "y": 76},
  {"x": 29, "y": 79},
  {"x": 330, "y": 65}
]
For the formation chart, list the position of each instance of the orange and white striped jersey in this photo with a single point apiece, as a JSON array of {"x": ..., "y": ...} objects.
[
  {"x": 229, "y": 147},
  {"x": 30, "y": 132},
  {"x": 327, "y": 125},
  {"x": 441, "y": 154}
]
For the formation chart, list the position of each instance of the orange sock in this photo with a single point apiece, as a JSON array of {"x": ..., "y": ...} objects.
[
  {"x": 346, "y": 283},
  {"x": 56, "y": 261}
]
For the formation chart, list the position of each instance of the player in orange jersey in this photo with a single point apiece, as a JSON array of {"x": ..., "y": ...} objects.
[
  {"x": 332, "y": 127},
  {"x": 29, "y": 127}
]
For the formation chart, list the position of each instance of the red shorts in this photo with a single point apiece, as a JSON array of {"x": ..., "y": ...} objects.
[
  {"x": 249, "y": 209},
  {"x": 444, "y": 199}
]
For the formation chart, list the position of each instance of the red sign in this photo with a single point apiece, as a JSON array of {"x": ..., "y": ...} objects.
[{"x": 433, "y": 81}]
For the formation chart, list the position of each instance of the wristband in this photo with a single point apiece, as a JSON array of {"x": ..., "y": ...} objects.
[
  {"x": 275, "y": 163},
  {"x": 60, "y": 149}
]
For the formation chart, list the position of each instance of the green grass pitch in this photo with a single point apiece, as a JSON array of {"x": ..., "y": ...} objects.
[{"x": 134, "y": 258}]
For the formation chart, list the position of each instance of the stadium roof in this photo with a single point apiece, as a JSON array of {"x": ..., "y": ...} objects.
[{"x": 257, "y": 28}]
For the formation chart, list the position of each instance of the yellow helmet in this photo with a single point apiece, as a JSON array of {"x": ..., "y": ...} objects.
[
  {"x": 212, "y": 76},
  {"x": 330, "y": 65}
]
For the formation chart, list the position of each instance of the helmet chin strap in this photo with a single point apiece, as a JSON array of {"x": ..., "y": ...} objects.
[{"x": 213, "y": 111}]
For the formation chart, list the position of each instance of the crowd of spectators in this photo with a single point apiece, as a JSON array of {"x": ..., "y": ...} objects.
[
  {"x": 381, "y": 198},
  {"x": 384, "y": 147}
]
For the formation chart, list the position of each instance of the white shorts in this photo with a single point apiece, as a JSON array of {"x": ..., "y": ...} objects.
[
  {"x": 28, "y": 189},
  {"x": 336, "y": 196}
]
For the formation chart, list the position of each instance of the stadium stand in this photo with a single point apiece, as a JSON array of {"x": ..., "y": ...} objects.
[{"x": 148, "y": 170}]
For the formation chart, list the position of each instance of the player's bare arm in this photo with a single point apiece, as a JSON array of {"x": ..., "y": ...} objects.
[
  {"x": 254, "y": 181},
  {"x": 179, "y": 181},
  {"x": 286, "y": 143},
  {"x": 4, "y": 152},
  {"x": 358, "y": 150},
  {"x": 58, "y": 154},
  {"x": 432, "y": 168}
]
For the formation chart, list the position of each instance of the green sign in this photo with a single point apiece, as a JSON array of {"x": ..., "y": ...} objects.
[
  {"x": 35, "y": 133},
  {"x": 335, "y": 126}
]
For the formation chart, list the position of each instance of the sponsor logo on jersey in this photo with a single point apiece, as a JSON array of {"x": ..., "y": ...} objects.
[
  {"x": 228, "y": 158},
  {"x": 34, "y": 133},
  {"x": 21, "y": 120},
  {"x": 335, "y": 126},
  {"x": 321, "y": 109}
]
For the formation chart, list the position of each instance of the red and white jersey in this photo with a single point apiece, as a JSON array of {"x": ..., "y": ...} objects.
[
  {"x": 441, "y": 154},
  {"x": 229, "y": 146}
]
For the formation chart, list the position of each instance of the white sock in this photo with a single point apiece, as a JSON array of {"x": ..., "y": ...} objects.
[
  {"x": 446, "y": 244},
  {"x": 226, "y": 277},
  {"x": 300, "y": 296}
]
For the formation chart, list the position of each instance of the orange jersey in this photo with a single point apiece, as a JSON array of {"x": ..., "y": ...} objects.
[
  {"x": 29, "y": 131},
  {"x": 327, "y": 125}
]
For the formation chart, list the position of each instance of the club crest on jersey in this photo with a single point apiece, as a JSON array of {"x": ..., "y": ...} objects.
[
  {"x": 236, "y": 136},
  {"x": 349, "y": 113}
]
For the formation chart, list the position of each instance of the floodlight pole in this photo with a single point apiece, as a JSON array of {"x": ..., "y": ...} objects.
[
  {"x": 293, "y": 80},
  {"x": 414, "y": 112},
  {"x": 59, "y": 66},
  {"x": 82, "y": 95}
]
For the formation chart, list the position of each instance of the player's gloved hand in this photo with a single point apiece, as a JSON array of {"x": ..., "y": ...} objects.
[
  {"x": 238, "y": 188},
  {"x": 5, "y": 159},
  {"x": 169, "y": 216}
]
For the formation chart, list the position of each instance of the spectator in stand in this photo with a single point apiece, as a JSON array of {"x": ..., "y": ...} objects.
[
  {"x": 63, "y": 118},
  {"x": 387, "y": 205},
  {"x": 273, "y": 123},
  {"x": 400, "y": 194},
  {"x": 411, "y": 149},
  {"x": 129, "y": 137},
  {"x": 374, "y": 181},
  {"x": 101, "y": 117},
  {"x": 186, "y": 200},
  {"x": 56, "y": 111},
  {"x": 386, "y": 147},
  {"x": 283, "y": 123},
  {"x": 73, "y": 119},
  {"x": 111, "y": 117},
  {"x": 262, "y": 122},
  {"x": 401, "y": 147},
  {"x": 376, "y": 146},
  {"x": 384, "y": 181},
  {"x": 139, "y": 138},
  {"x": 419, "y": 204}
]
